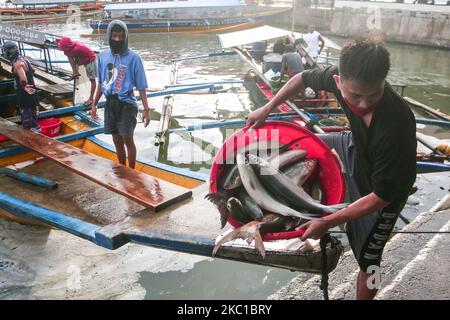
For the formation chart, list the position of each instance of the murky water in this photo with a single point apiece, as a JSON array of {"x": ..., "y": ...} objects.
[{"x": 426, "y": 72}]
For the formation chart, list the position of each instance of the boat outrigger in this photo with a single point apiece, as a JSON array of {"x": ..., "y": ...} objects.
[{"x": 38, "y": 10}]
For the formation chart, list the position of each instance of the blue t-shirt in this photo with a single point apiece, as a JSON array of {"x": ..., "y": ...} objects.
[{"x": 121, "y": 74}]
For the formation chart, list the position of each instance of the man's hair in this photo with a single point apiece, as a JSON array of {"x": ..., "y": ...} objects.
[
  {"x": 365, "y": 60},
  {"x": 117, "y": 28}
]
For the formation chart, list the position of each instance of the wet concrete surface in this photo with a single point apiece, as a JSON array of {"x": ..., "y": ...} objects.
[{"x": 411, "y": 262}]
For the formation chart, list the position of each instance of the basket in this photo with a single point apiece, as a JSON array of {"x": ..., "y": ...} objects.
[{"x": 50, "y": 127}]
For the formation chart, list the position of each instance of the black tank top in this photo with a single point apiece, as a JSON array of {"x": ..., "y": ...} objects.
[{"x": 23, "y": 98}]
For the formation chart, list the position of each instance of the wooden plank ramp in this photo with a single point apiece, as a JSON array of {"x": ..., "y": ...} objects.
[{"x": 146, "y": 190}]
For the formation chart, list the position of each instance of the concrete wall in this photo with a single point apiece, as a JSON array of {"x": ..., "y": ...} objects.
[{"x": 405, "y": 23}]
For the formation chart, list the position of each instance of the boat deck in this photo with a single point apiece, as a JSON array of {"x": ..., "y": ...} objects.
[
  {"x": 76, "y": 196},
  {"x": 90, "y": 211}
]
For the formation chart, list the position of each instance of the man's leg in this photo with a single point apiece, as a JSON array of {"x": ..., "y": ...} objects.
[
  {"x": 120, "y": 148},
  {"x": 362, "y": 291},
  {"x": 131, "y": 150},
  {"x": 91, "y": 72},
  {"x": 91, "y": 96}
]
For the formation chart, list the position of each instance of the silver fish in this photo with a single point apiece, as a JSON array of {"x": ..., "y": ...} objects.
[
  {"x": 237, "y": 211},
  {"x": 300, "y": 172},
  {"x": 252, "y": 231},
  {"x": 282, "y": 160},
  {"x": 250, "y": 206},
  {"x": 232, "y": 179},
  {"x": 256, "y": 190},
  {"x": 282, "y": 187},
  {"x": 283, "y": 156},
  {"x": 316, "y": 191}
]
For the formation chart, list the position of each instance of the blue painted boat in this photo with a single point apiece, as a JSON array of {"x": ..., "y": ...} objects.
[
  {"x": 186, "y": 16},
  {"x": 108, "y": 219}
]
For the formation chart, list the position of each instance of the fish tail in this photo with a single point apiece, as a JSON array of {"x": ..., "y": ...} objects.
[
  {"x": 259, "y": 244},
  {"x": 223, "y": 219},
  {"x": 247, "y": 232},
  {"x": 217, "y": 199},
  {"x": 230, "y": 236}
]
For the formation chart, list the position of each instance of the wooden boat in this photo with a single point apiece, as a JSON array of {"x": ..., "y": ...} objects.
[
  {"x": 29, "y": 10},
  {"x": 82, "y": 207},
  {"x": 186, "y": 16},
  {"x": 51, "y": 81}
]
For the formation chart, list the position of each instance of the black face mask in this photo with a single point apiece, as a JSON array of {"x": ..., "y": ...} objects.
[{"x": 116, "y": 45}]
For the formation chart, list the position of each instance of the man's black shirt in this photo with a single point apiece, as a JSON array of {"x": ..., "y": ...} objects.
[{"x": 386, "y": 150}]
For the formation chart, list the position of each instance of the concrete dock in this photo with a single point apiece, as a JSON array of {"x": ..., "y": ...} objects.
[
  {"x": 414, "y": 266},
  {"x": 418, "y": 24}
]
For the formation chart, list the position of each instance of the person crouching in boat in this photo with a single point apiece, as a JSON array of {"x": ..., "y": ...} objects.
[
  {"x": 79, "y": 54},
  {"x": 291, "y": 63},
  {"x": 27, "y": 99},
  {"x": 120, "y": 70},
  {"x": 379, "y": 154}
]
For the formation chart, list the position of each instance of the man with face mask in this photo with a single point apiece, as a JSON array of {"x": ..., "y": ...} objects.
[
  {"x": 120, "y": 71},
  {"x": 27, "y": 100},
  {"x": 379, "y": 154}
]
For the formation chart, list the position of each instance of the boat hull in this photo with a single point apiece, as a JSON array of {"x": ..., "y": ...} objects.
[{"x": 191, "y": 25}]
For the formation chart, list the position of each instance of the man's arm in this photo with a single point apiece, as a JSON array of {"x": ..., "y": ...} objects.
[
  {"x": 293, "y": 87},
  {"x": 146, "y": 114},
  {"x": 360, "y": 208},
  {"x": 74, "y": 67},
  {"x": 19, "y": 69},
  {"x": 98, "y": 95}
]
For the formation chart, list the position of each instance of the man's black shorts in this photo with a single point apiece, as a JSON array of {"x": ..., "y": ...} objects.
[
  {"x": 367, "y": 235},
  {"x": 120, "y": 117}
]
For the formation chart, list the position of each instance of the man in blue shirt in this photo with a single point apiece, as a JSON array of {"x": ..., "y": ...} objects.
[{"x": 120, "y": 71}]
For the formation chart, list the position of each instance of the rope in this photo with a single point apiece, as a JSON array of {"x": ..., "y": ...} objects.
[
  {"x": 324, "y": 265},
  {"x": 406, "y": 232}
]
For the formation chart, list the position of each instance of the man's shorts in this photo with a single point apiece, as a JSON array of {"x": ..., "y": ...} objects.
[
  {"x": 367, "y": 235},
  {"x": 91, "y": 70},
  {"x": 29, "y": 117},
  {"x": 120, "y": 117}
]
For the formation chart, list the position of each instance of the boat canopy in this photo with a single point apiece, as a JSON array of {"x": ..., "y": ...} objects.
[
  {"x": 239, "y": 38},
  {"x": 171, "y": 4},
  {"x": 47, "y": 2}
]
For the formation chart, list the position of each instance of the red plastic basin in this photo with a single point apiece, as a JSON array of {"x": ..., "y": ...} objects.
[
  {"x": 50, "y": 127},
  {"x": 329, "y": 169}
]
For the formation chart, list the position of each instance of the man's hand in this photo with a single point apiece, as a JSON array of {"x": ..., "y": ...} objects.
[
  {"x": 74, "y": 76},
  {"x": 30, "y": 89},
  {"x": 256, "y": 118},
  {"x": 146, "y": 117},
  {"x": 94, "y": 115},
  {"x": 315, "y": 229}
]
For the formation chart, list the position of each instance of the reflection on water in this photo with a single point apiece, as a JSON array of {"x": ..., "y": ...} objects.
[
  {"x": 213, "y": 279},
  {"x": 425, "y": 71}
]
